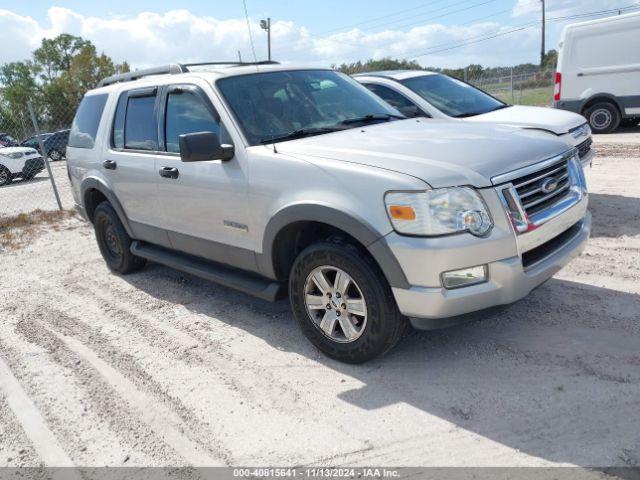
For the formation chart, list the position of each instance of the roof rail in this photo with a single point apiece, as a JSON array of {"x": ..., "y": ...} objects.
[
  {"x": 233, "y": 64},
  {"x": 171, "y": 69}
]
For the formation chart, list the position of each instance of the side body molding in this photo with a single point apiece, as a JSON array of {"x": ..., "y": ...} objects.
[{"x": 355, "y": 226}]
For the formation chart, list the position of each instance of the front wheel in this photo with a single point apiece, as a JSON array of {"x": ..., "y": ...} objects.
[
  {"x": 55, "y": 155},
  {"x": 603, "y": 117},
  {"x": 114, "y": 242},
  {"x": 343, "y": 303},
  {"x": 5, "y": 176}
]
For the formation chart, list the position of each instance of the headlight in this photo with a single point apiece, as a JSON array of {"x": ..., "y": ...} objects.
[
  {"x": 438, "y": 212},
  {"x": 15, "y": 155}
]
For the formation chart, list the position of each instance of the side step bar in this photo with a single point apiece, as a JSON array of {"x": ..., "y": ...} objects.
[{"x": 222, "y": 274}]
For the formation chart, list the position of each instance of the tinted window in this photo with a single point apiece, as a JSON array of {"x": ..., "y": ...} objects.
[
  {"x": 85, "y": 123},
  {"x": 268, "y": 105},
  {"x": 390, "y": 96},
  {"x": 187, "y": 113},
  {"x": 451, "y": 96},
  {"x": 139, "y": 127}
]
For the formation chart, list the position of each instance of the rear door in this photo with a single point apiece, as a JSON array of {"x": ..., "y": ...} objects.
[
  {"x": 130, "y": 162},
  {"x": 204, "y": 203}
]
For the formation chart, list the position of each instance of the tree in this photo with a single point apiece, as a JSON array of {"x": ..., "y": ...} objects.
[
  {"x": 56, "y": 54},
  {"x": 62, "y": 70},
  {"x": 376, "y": 65},
  {"x": 550, "y": 60}
]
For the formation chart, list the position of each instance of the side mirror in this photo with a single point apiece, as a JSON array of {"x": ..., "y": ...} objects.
[
  {"x": 412, "y": 111},
  {"x": 202, "y": 146}
]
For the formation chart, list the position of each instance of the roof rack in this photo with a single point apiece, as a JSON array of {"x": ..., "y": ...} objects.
[{"x": 171, "y": 69}]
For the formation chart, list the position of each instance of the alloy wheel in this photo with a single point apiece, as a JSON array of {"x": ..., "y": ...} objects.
[{"x": 335, "y": 303}]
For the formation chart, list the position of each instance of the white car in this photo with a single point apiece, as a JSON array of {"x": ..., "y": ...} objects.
[
  {"x": 19, "y": 162},
  {"x": 419, "y": 93}
]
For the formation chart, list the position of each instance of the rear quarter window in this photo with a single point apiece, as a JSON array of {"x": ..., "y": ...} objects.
[{"x": 86, "y": 122}]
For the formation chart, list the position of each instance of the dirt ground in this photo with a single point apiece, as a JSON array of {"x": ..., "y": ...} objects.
[{"x": 161, "y": 368}]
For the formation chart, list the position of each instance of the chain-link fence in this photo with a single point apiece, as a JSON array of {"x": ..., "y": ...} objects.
[
  {"x": 514, "y": 87},
  {"x": 33, "y": 170}
]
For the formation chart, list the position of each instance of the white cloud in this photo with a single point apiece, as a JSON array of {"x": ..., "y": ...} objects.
[{"x": 179, "y": 36}]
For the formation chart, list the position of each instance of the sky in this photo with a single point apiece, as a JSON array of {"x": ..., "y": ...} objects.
[{"x": 440, "y": 33}]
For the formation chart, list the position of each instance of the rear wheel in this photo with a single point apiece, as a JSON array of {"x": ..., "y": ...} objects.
[
  {"x": 343, "y": 303},
  {"x": 114, "y": 242},
  {"x": 5, "y": 176},
  {"x": 603, "y": 117}
]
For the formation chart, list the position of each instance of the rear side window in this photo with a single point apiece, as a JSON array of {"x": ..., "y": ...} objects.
[
  {"x": 134, "y": 124},
  {"x": 140, "y": 131},
  {"x": 86, "y": 122}
]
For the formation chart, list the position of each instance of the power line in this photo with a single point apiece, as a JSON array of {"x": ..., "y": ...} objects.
[
  {"x": 398, "y": 12},
  {"x": 490, "y": 36},
  {"x": 246, "y": 16}
]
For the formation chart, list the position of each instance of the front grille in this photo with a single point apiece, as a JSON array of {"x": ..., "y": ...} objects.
[
  {"x": 584, "y": 147},
  {"x": 531, "y": 188},
  {"x": 539, "y": 253}
]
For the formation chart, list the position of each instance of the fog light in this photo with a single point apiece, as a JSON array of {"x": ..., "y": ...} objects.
[{"x": 464, "y": 277}]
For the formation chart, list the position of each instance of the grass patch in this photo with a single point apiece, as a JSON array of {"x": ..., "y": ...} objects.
[
  {"x": 18, "y": 230},
  {"x": 538, "y": 97}
]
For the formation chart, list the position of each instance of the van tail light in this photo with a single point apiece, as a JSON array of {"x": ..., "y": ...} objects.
[{"x": 556, "y": 88}]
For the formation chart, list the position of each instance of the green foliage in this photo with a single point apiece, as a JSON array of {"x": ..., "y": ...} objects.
[
  {"x": 60, "y": 72},
  {"x": 377, "y": 65}
]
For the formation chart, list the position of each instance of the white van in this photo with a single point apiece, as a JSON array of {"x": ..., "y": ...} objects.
[{"x": 598, "y": 72}]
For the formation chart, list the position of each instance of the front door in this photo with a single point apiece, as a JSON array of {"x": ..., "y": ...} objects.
[{"x": 204, "y": 203}]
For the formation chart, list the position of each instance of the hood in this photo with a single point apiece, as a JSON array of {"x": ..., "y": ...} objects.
[
  {"x": 557, "y": 121},
  {"x": 25, "y": 151},
  {"x": 441, "y": 153}
]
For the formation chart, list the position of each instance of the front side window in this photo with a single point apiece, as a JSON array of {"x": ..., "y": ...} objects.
[
  {"x": 187, "y": 113},
  {"x": 390, "y": 96},
  {"x": 140, "y": 131},
  {"x": 274, "y": 106},
  {"x": 86, "y": 122},
  {"x": 453, "y": 97}
]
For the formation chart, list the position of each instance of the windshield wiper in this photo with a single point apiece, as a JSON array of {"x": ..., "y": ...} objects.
[
  {"x": 299, "y": 133},
  {"x": 372, "y": 117}
]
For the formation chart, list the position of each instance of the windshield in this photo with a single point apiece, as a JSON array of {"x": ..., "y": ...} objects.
[
  {"x": 276, "y": 106},
  {"x": 453, "y": 97}
]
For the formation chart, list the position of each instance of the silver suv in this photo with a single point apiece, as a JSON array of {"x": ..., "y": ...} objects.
[{"x": 276, "y": 180}]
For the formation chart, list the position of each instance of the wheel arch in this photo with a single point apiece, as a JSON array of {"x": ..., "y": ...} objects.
[
  {"x": 296, "y": 226},
  {"x": 93, "y": 192},
  {"x": 600, "y": 97}
]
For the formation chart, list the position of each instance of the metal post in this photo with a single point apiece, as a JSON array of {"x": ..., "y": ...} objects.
[
  {"x": 542, "y": 37},
  {"x": 269, "y": 38},
  {"x": 239, "y": 57},
  {"x": 43, "y": 152},
  {"x": 512, "y": 94}
]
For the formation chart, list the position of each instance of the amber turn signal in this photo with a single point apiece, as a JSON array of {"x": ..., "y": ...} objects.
[{"x": 402, "y": 212}]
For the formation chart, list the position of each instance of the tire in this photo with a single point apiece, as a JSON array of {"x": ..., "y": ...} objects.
[
  {"x": 5, "y": 176},
  {"x": 375, "y": 332},
  {"x": 114, "y": 242},
  {"x": 603, "y": 117},
  {"x": 55, "y": 155}
]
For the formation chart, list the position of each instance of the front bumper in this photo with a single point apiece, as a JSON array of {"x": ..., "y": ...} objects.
[
  {"x": 508, "y": 282},
  {"x": 516, "y": 263}
]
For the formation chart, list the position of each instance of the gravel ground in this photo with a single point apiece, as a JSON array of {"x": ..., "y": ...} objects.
[
  {"x": 24, "y": 196},
  {"x": 160, "y": 368}
]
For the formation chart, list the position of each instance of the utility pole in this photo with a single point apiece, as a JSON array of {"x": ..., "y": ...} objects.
[
  {"x": 542, "y": 36},
  {"x": 266, "y": 25}
]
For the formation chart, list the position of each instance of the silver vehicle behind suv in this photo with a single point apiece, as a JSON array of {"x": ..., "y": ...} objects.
[{"x": 277, "y": 180}]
